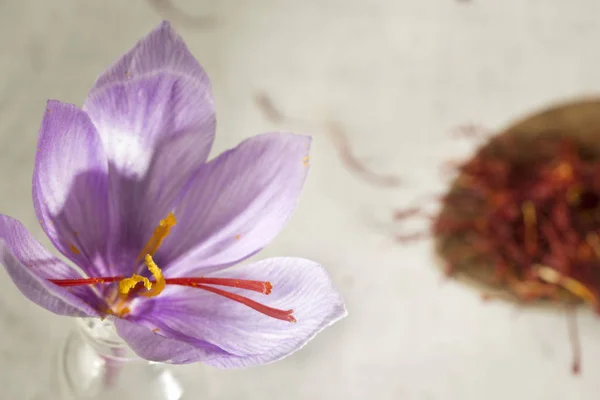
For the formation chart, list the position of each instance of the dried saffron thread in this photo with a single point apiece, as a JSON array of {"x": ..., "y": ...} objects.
[
  {"x": 523, "y": 216},
  {"x": 522, "y": 211},
  {"x": 341, "y": 142},
  {"x": 339, "y": 138},
  {"x": 574, "y": 339}
]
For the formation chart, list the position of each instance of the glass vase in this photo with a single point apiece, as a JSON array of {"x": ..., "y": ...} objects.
[{"x": 95, "y": 363}]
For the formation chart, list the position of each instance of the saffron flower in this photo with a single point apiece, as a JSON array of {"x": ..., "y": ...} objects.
[{"x": 123, "y": 189}]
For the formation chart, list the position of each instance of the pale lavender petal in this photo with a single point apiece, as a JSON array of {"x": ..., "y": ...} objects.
[
  {"x": 247, "y": 336},
  {"x": 30, "y": 266},
  {"x": 162, "y": 50},
  {"x": 155, "y": 115},
  {"x": 70, "y": 186},
  {"x": 154, "y": 346},
  {"x": 236, "y": 204}
]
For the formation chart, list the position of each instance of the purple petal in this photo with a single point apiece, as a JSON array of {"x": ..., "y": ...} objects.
[
  {"x": 70, "y": 186},
  {"x": 162, "y": 50},
  {"x": 246, "y": 336},
  {"x": 155, "y": 115},
  {"x": 156, "y": 347},
  {"x": 30, "y": 265},
  {"x": 236, "y": 204}
]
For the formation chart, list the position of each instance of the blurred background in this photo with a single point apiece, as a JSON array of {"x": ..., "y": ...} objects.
[{"x": 381, "y": 85}]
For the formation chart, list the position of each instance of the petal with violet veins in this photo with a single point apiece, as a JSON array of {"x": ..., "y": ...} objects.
[
  {"x": 246, "y": 336},
  {"x": 154, "y": 112},
  {"x": 70, "y": 186},
  {"x": 153, "y": 346},
  {"x": 30, "y": 266},
  {"x": 162, "y": 50},
  {"x": 236, "y": 204}
]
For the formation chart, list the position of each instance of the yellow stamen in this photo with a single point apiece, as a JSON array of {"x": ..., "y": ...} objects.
[
  {"x": 160, "y": 233},
  {"x": 126, "y": 284},
  {"x": 160, "y": 283},
  {"x": 305, "y": 161},
  {"x": 152, "y": 288},
  {"x": 551, "y": 275}
]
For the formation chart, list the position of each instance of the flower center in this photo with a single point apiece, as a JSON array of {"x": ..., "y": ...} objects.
[
  {"x": 156, "y": 287},
  {"x": 152, "y": 288},
  {"x": 129, "y": 285}
]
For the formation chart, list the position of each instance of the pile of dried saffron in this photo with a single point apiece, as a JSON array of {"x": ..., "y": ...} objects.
[{"x": 523, "y": 215}]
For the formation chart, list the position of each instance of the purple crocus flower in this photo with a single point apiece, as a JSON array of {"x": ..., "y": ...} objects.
[{"x": 122, "y": 188}]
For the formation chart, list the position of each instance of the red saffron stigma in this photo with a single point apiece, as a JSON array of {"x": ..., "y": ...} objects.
[
  {"x": 202, "y": 283},
  {"x": 256, "y": 286},
  {"x": 85, "y": 281},
  {"x": 284, "y": 315}
]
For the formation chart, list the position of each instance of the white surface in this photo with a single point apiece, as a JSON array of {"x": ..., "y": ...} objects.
[{"x": 398, "y": 74}]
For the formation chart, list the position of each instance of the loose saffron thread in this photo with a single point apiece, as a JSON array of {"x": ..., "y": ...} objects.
[
  {"x": 266, "y": 105},
  {"x": 341, "y": 142},
  {"x": 574, "y": 339},
  {"x": 338, "y": 137}
]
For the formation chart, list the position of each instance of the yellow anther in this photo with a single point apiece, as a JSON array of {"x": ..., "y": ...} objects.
[
  {"x": 152, "y": 288},
  {"x": 125, "y": 285},
  {"x": 160, "y": 233},
  {"x": 160, "y": 283},
  {"x": 305, "y": 161}
]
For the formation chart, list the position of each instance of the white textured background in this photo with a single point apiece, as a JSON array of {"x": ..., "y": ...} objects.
[{"x": 398, "y": 75}]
